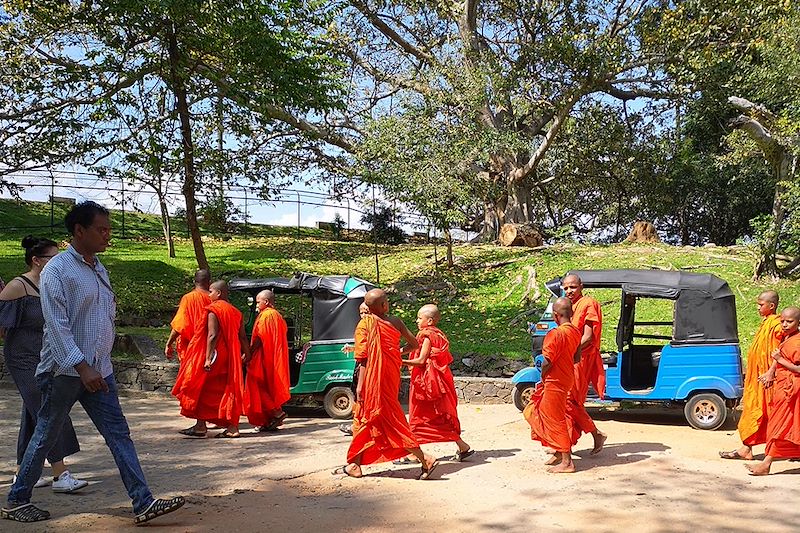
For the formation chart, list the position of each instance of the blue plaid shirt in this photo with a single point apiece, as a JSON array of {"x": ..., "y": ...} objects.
[{"x": 79, "y": 307}]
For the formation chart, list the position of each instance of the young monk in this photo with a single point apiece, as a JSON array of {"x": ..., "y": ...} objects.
[
  {"x": 191, "y": 312},
  {"x": 380, "y": 430},
  {"x": 753, "y": 422},
  {"x": 547, "y": 411},
  {"x": 783, "y": 419},
  {"x": 266, "y": 387},
  {"x": 211, "y": 387},
  {"x": 588, "y": 318},
  {"x": 432, "y": 399}
]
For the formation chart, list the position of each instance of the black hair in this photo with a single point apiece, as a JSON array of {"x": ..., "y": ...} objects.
[
  {"x": 83, "y": 214},
  {"x": 35, "y": 246}
]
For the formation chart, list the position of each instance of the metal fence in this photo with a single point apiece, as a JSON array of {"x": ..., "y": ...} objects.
[{"x": 247, "y": 203}]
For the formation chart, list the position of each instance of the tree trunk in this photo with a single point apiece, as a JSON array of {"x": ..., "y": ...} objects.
[
  {"x": 449, "y": 239},
  {"x": 189, "y": 184},
  {"x": 166, "y": 225},
  {"x": 518, "y": 207},
  {"x": 491, "y": 223},
  {"x": 766, "y": 265},
  {"x": 520, "y": 235}
]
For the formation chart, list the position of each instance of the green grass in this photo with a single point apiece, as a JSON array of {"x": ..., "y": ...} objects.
[{"x": 481, "y": 303}]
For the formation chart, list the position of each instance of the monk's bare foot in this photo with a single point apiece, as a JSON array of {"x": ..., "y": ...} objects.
[
  {"x": 562, "y": 468},
  {"x": 599, "y": 441},
  {"x": 758, "y": 469},
  {"x": 554, "y": 459}
]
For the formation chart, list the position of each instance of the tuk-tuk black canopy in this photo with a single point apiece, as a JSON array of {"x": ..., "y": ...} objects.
[
  {"x": 335, "y": 300},
  {"x": 705, "y": 308}
]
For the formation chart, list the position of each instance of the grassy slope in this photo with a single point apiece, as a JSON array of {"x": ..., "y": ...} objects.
[{"x": 479, "y": 302}]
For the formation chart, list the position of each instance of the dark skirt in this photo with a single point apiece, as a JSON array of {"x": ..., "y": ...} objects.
[{"x": 23, "y": 318}]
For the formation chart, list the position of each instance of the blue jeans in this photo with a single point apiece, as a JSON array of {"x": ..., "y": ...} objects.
[{"x": 59, "y": 394}]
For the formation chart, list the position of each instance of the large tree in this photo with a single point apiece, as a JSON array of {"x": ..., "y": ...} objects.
[{"x": 75, "y": 78}]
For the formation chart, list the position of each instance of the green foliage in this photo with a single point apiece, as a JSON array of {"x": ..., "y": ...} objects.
[
  {"x": 383, "y": 225},
  {"x": 482, "y": 305},
  {"x": 338, "y": 226}
]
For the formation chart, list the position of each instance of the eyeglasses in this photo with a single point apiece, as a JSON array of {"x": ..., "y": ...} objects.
[{"x": 46, "y": 256}]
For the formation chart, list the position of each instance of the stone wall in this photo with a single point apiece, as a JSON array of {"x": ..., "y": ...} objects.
[{"x": 159, "y": 376}]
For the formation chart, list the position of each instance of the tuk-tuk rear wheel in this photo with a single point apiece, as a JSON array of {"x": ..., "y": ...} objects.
[
  {"x": 705, "y": 411},
  {"x": 522, "y": 394},
  {"x": 338, "y": 402}
]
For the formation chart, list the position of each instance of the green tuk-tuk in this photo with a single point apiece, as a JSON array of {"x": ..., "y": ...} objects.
[{"x": 321, "y": 313}]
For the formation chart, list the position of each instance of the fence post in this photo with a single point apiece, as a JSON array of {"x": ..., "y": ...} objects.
[
  {"x": 122, "y": 181},
  {"x": 245, "y": 209},
  {"x": 298, "y": 213},
  {"x": 52, "y": 198}
]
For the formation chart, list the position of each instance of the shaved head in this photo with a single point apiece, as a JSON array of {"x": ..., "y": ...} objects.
[
  {"x": 221, "y": 287},
  {"x": 266, "y": 295},
  {"x": 376, "y": 301},
  {"x": 769, "y": 297},
  {"x": 202, "y": 278},
  {"x": 563, "y": 308},
  {"x": 791, "y": 312},
  {"x": 572, "y": 287},
  {"x": 430, "y": 311}
]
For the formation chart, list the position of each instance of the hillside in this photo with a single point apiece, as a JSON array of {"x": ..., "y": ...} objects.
[{"x": 481, "y": 297}]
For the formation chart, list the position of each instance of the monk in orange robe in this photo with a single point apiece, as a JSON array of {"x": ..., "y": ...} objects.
[
  {"x": 588, "y": 318},
  {"x": 753, "y": 422},
  {"x": 547, "y": 411},
  {"x": 266, "y": 387},
  {"x": 209, "y": 387},
  {"x": 432, "y": 399},
  {"x": 191, "y": 313},
  {"x": 347, "y": 429},
  {"x": 783, "y": 419},
  {"x": 380, "y": 430}
]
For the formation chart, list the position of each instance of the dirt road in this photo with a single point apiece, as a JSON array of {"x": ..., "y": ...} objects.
[{"x": 656, "y": 474}]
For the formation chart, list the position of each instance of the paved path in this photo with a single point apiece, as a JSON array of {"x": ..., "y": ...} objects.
[{"x": 656, "y": 474}]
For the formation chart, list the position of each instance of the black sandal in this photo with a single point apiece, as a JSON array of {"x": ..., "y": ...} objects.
[
  {"x": 160, "y": 508},
  {"x": 426, "y": 472},
  {"x": 192, "y": 432},
  {"x": 26, "y": 512},
  {"x": 460, "y": 456}
]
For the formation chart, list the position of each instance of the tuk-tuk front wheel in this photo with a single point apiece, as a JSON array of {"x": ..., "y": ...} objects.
[
  {"x": 522, "y": 394},
  {"x": 338, "y": 402},
  {"x": 705, "y": 411}
]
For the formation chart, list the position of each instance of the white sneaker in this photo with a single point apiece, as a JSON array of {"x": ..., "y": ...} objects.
[
  {"x": 67, "y": 483},
  {"x": 43, "y": 482}
]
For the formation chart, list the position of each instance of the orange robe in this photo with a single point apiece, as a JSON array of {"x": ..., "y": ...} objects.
[
  {"x": 547, "y": 411},
  {"x": 214, "y": 396},
  {"x": 380, "y": 430},
  {"x": 783, "y": 420},
  {"x": 590, "y": 368},
  {"x": 266, "y": 387},
  {"x": 753, "y": 422},
  {"x": 432, "y": 399},
  {"x": 190, "y": 315}
]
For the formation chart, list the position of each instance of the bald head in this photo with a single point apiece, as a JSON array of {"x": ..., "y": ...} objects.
[
  {"x": 202, "y": 278},
  {"x": 562, "y": 308},
  {"x": 377, "y": 301},
  {"x": 791, "y": 312},
  {"x": 428, "y": 315},
  {"x": 572, "y": 287},
  {"x": 265, "y": 299},
  {"x": 219, "y": 290},
  {"x": 769, "y": 297}
]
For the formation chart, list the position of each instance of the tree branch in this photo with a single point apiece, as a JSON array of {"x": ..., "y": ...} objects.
[{"x": 390, "y": 33}]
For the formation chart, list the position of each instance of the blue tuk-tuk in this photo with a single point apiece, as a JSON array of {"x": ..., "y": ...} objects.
[{"x": 698, "y": 365}]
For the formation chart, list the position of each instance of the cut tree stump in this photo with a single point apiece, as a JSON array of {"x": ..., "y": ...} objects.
[
  {"x": 520, "y": 235},
  {"x": 643, "y": 232}
]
